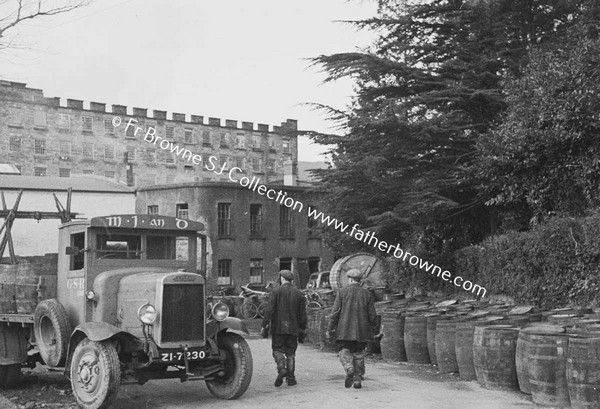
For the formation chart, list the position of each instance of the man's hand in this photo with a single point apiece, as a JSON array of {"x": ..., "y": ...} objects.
[
  {"x": 302, "y": 336},
  {"x": 264, "y": 332}
]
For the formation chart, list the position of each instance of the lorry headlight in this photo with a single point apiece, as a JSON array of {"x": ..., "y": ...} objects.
[
  {"x": 220, "y": 311},
  {"x": 147, "y": 314},
  {"x": 90, "y": 295}
]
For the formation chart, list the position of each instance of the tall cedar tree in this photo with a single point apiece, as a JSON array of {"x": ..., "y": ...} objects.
[{"x": 426, "y": 91}]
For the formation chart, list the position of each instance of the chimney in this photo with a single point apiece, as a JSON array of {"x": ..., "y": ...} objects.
[{"x": 290, "y": 173}]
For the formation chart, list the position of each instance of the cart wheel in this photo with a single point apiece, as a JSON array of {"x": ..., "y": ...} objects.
[
  {"x": 249, "y": 310},
  {"x": 262, "y": 309}
]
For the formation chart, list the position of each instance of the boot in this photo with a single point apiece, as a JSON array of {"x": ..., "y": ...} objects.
[
  {"x": 291, "y": 367},
  {"x": 346, "y": 359},
  {"x": 359, "y": 371},
  {"x": 281, "y": 369}
]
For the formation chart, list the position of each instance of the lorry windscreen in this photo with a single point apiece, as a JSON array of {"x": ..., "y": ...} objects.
[{"x": 137, "y": 246}]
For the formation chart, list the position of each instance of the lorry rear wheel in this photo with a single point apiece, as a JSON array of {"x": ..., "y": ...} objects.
[
  {"x": 52, "y": 331},
  {"x": 95, "y": 374},
  {"x": 238, "y": 367}
]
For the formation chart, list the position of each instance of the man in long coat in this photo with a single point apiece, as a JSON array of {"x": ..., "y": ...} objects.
[
  {"x": 286, "y": 318},
  {"x": 354, "y": 321}
]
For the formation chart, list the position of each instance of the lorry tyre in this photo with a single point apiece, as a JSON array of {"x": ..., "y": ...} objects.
[
  {"x": 10, "y": 375},
  {"x": 238, "y": 367},
  {"x": 95, "y": 373},
  {"x": 52, "y": 331}
]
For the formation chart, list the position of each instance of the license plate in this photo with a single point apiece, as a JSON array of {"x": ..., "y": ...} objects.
[{"x": 176, "y": 356}]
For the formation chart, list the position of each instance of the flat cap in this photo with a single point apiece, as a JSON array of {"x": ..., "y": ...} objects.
[
  {"x": 287, "y": 274},
  {"x": 354, "y": 273}
]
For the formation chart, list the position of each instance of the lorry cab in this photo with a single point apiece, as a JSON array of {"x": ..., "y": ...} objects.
[{"x": 144, "y": 243}]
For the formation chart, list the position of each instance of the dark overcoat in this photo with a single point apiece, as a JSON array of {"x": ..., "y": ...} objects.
[
  {"x": 286, "y": 311},
  {"x": 353, "y": 314}
]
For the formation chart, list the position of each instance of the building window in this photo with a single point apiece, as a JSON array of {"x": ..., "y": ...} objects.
[
  {"x": 224, "y": 140},
  {"x": 170, "y": 133},
  {"x": 224, "y": 219},
  {"x": 241, "y": 141},
  {"x": 15, "y": 119},
  {"x": 109, "y": 174},
  {"x": 39, "y": 171},
  {"x": 256, "y": 219},
  {"x": 88, "y": 172},
  {"x": 39, "y": 146},
  {"x": 182, "y": 211},
  {"x": 271, "y": 166},
  {"x": 130, "y": 150},
  {"x": 88, "y": 150},
  {"x": 151, "y": 156},
  {"x": 15, "y": 144},
  {"x": 64, "y": 173},
  {"x": 153, "y": 209},
  {"x": 286, "y": 146},
  {"x": 64, "y": 121},
  {"x": 240, "y": 163},
  {"x": 285, "y": 263},
  {"x": 39, "y": 119},
  {"x": 312, "y": 222},
  {"x": 285, "y": 221},
  {"x": 109, "y": 128},
  {"x": 188, "y": 135},
  {"x": 87, "y": 123},
  {"x": 256, "y": 270},
  {"x": 206, "y": 138},
  {"x": 130, "y": 132},
  {"x": 224, "y": 272},
  {"x": 205, "y": 160},
  {"x": 169, "y": 158},
  {"x": 65, "y": 149},
  {"x": 271, "y": 142},
  {"x": 257, "y": 141},
  {"x": 223, "y": 161},
  {"x": 257, "y": 164},
  {"x": 109, "y": 152}
]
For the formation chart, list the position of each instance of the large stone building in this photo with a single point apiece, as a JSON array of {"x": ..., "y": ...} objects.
[
  {"x": 249, "y": 237},
  {"x": 43, "y": 137}
]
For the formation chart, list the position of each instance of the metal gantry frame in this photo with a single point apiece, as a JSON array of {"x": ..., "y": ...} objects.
[{"x": 9, "y": 215}]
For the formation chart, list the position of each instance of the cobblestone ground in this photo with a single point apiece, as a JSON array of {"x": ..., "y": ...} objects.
[{"x": 320, "y": 384}]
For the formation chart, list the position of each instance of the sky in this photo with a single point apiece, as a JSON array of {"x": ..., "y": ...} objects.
[{"x": 230, "y": 59}]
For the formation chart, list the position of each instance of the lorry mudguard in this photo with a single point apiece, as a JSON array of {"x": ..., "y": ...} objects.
[
  {"x": 96, "y": 331},
  {"x": 232, "y": 323}
]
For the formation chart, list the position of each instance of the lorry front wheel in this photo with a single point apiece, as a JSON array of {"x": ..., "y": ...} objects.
[
  {"x": 95, "y": 373},
  {"x": 238, "y": 367}
]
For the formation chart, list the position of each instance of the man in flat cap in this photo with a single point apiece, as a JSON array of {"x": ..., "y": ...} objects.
[
  {"x": 286, "y": 318},
  {"x": 354, "y": 321}
]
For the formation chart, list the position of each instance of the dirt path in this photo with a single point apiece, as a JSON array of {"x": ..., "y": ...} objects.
[{"x": 320, "y": 384}]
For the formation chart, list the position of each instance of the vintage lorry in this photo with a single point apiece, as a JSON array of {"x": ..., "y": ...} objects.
[{"x": 128, "y": 306}]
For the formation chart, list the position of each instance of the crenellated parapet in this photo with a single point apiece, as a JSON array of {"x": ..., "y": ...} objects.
[{"x": 19, "y": 92}]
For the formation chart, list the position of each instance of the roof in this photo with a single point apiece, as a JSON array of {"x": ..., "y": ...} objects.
[
  {"x": 54, "y": 184},
  {"x": 304, "y": 168}
]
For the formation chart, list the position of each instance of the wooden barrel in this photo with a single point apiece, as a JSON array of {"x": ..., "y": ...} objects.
[
  {"x": 392, "y": 343},
  {"x": 370, "y": 265},
  {"x": 415, "y": 339},
  {"x": 445, "y": 346},
  {"x": 431, "y": 321},
  {"x": 313, "y": 327},
  {"x": 26, "y": 287},
  {"x": 8, "y": 278},
  {"x": 494, "y": 356},
  {"x": 547, "y": 361},
  {"x": 464, "y": 349},
  {"x": 583, "y": 372},
  {"x": 523, "y": 343}
]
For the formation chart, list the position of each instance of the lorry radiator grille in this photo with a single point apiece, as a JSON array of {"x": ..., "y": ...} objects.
[{"x": 182, "y": 313}]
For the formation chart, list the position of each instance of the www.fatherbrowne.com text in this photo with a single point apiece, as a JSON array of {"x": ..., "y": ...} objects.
[{"x": 235, "y": 174}]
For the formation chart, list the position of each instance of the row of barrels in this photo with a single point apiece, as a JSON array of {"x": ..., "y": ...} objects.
[
  {"x": 318, "y": 322},
  {"x": 552, "y": 355}
]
